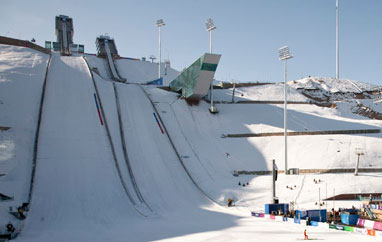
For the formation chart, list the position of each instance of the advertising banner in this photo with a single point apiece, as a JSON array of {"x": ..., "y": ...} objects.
[
  {"x": 369, "y": 224},
  {"x": 371, "y": 232},
  {"x": 377, "y": 226},
  {"x": 348, "y": 228}
]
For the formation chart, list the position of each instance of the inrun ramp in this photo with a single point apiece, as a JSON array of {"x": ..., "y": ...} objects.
[{"x": 77, "y": 194}]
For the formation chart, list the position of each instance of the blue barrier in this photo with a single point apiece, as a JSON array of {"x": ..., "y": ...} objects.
[
  {"x": 297, "y": 221},
  {"x": 313, "y": 223},
  {"x": 269, "y": 208},
  {"x": 318, "y": 215},
  {"x": 285, "y": 219},
  {"x": 349, "y": 219}
]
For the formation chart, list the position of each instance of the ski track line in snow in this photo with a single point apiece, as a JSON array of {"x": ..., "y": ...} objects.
[
  {"x": 113, "y": 148},
  {"x": 131, "y": 173},
  {"x": 176, "y": 151},
  {"x": 35, "y": 146},
  {"x": 37, "y": 134},
  {"x": 192, "y": 149}
]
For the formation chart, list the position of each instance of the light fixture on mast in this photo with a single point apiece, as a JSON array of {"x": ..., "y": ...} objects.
[
  {"x": 160, "y": 23},
  {"x": 210, "y": 26},
  {"x": 284, "y": 55}
]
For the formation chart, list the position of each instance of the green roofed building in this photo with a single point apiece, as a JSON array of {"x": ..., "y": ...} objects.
[{"x": 195, "y": 81}]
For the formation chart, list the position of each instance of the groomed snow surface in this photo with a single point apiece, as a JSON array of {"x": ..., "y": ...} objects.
[{"x": 89, "y": 179}]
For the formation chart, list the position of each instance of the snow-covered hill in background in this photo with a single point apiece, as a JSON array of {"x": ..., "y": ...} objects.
[
  {"x": 183, "y": 174},
  {"x": 332, "y": 85}
]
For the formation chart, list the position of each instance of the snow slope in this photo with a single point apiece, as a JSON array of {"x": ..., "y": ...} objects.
[
  {"x": 160, "y": 176},
  {"x": 76, "y": 186},
  {"x": 211, "y": 159},
  {"x": 22, "y": 73},
  {"x": 78, "y": 194},
  {"x": 268, "y": 92}
]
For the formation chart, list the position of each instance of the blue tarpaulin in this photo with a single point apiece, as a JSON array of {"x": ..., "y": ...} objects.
[{"x": 158, "y": 81}]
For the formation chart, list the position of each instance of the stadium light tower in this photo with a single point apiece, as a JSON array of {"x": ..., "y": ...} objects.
[
  {"x": 284, "y": 55},
  {"x": 160, "y": 23},
  {"x": 337, "y": 43},
  {"x": 209, "y": 27}
]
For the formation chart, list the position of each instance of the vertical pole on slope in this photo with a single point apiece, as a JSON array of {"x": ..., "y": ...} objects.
[
  {"x": 210, "y": 27},
  {"x": 212, "y": 85},
  {"x": 285, "y": 118},
  {"x": 233, "y": 92},
  {"x": 160, "y": 23},
  {"x": 319, "y": 201},
  {"x": 326, "y": 195},
  {"x": 273, "y": 181},
  {"x": 334, "y": 198},
  {"x": 356, "y": 166},
  {"x": 212, "y": 97},
  {"x": 160, "y": 53},
  {"x": 358, "y": 152},
  {"x": 337, "y": 42},
  {"x": 210, "y": 41}
]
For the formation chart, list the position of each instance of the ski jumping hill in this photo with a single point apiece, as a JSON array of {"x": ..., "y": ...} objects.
[{"x": 106, "y": 161}]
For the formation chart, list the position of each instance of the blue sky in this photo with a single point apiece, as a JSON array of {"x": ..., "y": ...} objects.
[{"x": 248, "y": 33}]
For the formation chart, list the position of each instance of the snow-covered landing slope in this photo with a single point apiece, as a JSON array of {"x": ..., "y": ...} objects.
[
  {"x": 204, "y": 133},
  {"x": 179, "y": 208},
  {"x": 77, "y": 192},
  {"x": 22, "y": 72},
  {"x": 159, "y": 173},
  {"x": 211, "y": 159}
]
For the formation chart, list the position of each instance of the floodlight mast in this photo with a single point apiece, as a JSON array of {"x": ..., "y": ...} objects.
[
  {"x": 160, "y": 23},
  {"x": 337, "y": 43},
  {"x": 284, "y": 55},
  {"x": 209, "y": 27}
]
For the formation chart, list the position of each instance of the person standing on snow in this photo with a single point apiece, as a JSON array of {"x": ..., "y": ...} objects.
[{"x": 305, "y": 235}]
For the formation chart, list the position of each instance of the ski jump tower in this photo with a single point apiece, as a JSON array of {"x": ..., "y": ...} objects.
[
  {"x": 106, "y": 49},
  {"x": 64, "y": 33},
  {"x": 195, "y": 81}
]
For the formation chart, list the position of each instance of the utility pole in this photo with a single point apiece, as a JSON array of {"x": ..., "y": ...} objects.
[
  {"x": 274, "y": 179},
  {"x": 160, "y": 23},
  {"x": 284, "y": 55},
  {"x": 233, "y": 91},
  {"x": 337, "y": 43},
  {"x": 210, "y": 26}
]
